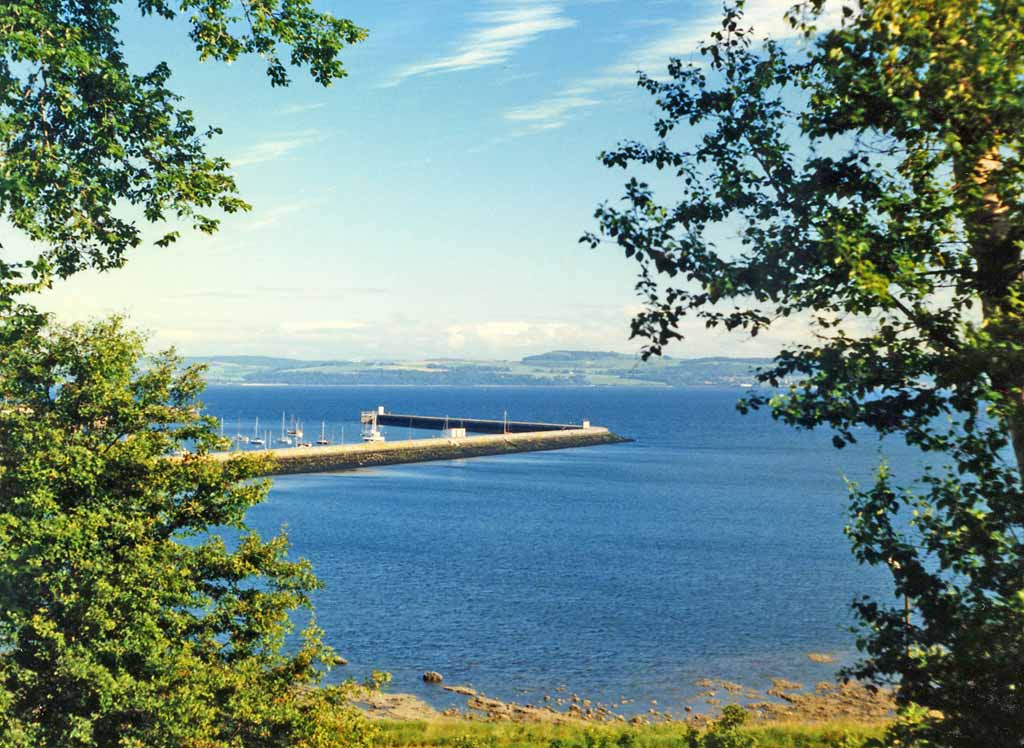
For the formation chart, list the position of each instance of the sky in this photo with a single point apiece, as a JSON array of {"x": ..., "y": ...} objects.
[{"x": 430, "y": 204}]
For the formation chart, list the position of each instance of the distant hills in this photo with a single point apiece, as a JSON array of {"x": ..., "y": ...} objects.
[
  {"x": 578, "y": 357},
  {"x": 554, "y": 368}
]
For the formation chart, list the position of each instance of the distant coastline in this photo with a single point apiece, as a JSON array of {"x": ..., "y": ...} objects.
[
  {"x": 377, "y": 385},
  {"x": 552, "y": 369}
]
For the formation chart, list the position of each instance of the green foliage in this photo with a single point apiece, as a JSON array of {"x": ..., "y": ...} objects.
[
  {"x": 727, "y": 730},
  {"x": 874, "y": 181},
  {"x": 627, "y": 740},
  {"x": 123, "y": 620},
  {"x": 597, "y": 740},
  {"x": 473, "y": 741},
  {"x": 88, "y": 144},
  {"x": 733, "y": 717},
  {"x": 908, "y": 730},
  {"x": 844, "y": 739},
  {"x": 377, "y": 680},
  {"x": 441, "y": 732}
]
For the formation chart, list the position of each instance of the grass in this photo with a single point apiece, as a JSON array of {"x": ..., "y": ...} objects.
[{"x": 465, "y": 734}]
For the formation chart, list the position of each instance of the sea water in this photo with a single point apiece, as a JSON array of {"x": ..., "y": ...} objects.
[{"x": 711, "y": 546}]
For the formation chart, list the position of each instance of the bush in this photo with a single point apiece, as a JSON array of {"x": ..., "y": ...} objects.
[{"x": 124, "y": 619}]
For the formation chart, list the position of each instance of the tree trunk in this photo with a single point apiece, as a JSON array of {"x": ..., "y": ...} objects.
[{"x": 1001, "y": 287}]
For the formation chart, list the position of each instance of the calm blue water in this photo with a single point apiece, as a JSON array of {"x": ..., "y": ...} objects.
[{"x": 711, "y": 546}]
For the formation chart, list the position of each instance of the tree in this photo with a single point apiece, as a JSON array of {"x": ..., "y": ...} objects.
[
  {"x": 872, "y": 179},
  {"x": 124, "y": 620},
  {"x": 85, "y": 144}
]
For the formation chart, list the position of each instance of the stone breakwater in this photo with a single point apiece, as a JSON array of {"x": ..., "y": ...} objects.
[{"x": 375, "y": 454}]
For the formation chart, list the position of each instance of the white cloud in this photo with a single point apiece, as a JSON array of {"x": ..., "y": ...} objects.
[
  {"x": 519, "y": 337},
  {"x": 549, "y": 114},
  {"x": 211, "y": 335},
  {"x": 765, "y": 17},
  {"x": 270, "y": 150},
  {"x": 508, "y": 339},
  {"x": 319, "y": 327},
  {"x": 502, "y": 32},
  {"x": 264, "y": 218},
  {"x": 300, "y": 108}
]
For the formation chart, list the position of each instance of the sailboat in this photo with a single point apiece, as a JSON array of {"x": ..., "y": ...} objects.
[
  {"x": 239, "y": 436},
  {"x": 298, "y": 436},
  {"x": 256, "y": 434},
  {"x": 283, "y": 439},
  {"x": 323, "y": 438}
]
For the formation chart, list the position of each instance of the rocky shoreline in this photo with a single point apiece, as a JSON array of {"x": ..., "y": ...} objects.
[{"x": 782, "y": 701}]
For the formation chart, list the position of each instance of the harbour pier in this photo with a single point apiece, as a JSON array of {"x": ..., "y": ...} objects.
[
  {"x": 455, "y": 443},
  {"x": 473, "y": 425}
]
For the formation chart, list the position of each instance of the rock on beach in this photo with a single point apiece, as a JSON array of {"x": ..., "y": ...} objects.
[{"x": 461, "y": 690}]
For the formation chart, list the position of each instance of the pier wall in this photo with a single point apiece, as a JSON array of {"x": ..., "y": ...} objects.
[
  {"x": 473, "y": 425},
  {"x": 374, "y": 454}
]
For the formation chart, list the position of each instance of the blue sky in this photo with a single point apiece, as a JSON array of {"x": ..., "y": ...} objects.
[{"x": 428, "y": 205}]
